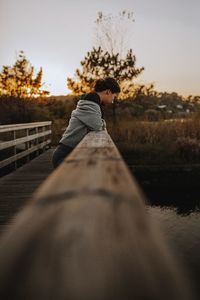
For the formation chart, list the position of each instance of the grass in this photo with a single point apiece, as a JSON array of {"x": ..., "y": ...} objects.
[{"x": 162, "y": 142}]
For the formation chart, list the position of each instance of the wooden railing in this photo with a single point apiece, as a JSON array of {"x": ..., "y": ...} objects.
[
  {"x": 24, "y": 139},
  {"x": 86, "y": 235}
]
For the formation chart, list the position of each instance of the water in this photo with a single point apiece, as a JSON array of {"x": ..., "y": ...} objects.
[
  {"x": 178, "y": 217},
  {"x": 174, "y": 203}
]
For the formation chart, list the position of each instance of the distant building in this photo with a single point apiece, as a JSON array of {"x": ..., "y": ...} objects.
[{"x": 161, "y": 106}]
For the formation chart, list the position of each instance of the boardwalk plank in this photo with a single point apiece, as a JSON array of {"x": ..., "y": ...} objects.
[{"x": 17, "y": 187}]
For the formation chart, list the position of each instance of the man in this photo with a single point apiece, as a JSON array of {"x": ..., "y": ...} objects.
[{"x": 87, "y": 116}]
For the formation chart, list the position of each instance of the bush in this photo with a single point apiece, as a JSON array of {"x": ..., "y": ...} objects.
[
  {"x": 188, "y": 148},
  {"x": 152, "y": 115}
]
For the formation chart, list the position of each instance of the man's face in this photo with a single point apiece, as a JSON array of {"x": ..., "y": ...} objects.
[{"x": 109, "y": 97}]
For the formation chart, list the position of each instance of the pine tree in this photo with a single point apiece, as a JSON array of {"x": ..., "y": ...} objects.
[
  {"x": 18, "y": 80},
  {"x": 98, "y": 64},
  {"x": 111, "y": 56}
]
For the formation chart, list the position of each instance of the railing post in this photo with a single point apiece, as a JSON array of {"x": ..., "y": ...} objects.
[
  {"x": 43, "y": 138},
  {"x": 37, "y": 141},
  {"x": 15, "y": 150},
  {"x": 27, "y": 146}
]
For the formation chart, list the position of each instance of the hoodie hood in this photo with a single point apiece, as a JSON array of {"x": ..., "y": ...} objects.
[
  {"x": 93, "y": 97},
  {"x": 88, "y": 112}
]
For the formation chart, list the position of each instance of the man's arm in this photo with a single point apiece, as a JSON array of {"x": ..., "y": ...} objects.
[
  {"x": 93, "y": 121},
  {"x": 96, "y": 125}
]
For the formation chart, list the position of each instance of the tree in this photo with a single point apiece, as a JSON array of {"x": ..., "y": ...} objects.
[
  {"x": 98, "y": 64},
  {"x": 18, "y": 81},
  {"x": 110, "y": 57},
  {"x": 113, "y": 33}
]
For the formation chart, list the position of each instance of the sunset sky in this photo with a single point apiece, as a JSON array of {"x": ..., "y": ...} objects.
[{"x": 56, "y": 34}]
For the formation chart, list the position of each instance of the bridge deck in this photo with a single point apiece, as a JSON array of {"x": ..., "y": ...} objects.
[{"x": 17, "y": 187}]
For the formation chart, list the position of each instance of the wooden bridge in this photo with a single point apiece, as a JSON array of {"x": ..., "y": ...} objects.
[
  {"x": 20, "y": 140},
  {"x": 85, "y": 232}
]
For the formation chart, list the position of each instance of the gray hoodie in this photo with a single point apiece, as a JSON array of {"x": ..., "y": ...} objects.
[{"x": 86, "y": 117}]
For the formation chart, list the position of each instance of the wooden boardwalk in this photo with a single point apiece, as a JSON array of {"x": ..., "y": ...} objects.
[{"x": 17, "y": 187}]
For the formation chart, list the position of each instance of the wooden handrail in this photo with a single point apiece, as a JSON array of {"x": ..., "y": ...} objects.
[
  {"x": 86, "y": 234},
  {"x": 22, "y": 140},
  {"x": 12, "y": 127},
  {"x": 46, "y": 132}
]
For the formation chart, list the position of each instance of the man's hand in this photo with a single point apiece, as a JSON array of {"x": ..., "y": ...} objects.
[{"x": 104, "y": 124}]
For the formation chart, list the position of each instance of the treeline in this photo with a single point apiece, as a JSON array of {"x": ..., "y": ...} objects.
[
  {"x": 156, "y": 107},
  {"x": 147, "y": 106},
  {"x": 143, "y": 107},
  {"x": 21, "y": 110}
]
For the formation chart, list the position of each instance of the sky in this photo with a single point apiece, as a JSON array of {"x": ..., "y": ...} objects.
[{"x": 56, "y": 35}]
